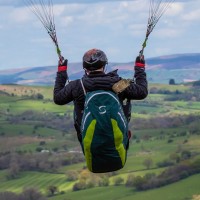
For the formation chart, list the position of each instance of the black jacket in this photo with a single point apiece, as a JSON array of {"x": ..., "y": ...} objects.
[{"x": 73, "y": 91}]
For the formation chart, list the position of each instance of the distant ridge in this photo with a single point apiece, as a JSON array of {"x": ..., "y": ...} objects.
[{"x": 180, "y": 67}]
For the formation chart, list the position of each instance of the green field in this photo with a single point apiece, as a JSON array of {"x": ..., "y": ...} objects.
[
  {"x": 35, "y": 180},
  {"x": 178, "y": 191},
  {"x": 161, "y": 129}
]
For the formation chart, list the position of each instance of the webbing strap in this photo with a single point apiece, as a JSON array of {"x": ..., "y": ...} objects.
[{"x": 83, "y": 87}]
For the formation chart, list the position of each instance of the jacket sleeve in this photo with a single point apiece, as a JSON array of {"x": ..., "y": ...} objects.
[
  {"x": 62, "y": 92},
  {"x": 138, "y": 89}
]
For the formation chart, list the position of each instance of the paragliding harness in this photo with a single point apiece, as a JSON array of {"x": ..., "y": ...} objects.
[{"x": 104, "y": 131}]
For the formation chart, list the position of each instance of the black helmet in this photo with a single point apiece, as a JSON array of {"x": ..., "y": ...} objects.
[{"x": 94, "y": 59}]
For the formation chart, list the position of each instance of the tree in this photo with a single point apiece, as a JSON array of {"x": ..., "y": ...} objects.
[
  {"x": 72, "y": 175},
  {"x": 171, "y": 81},
  {"x": 81, "y": 185},
  {"x": 52, "y": 189},
  {"x": 185, "y": 154},
  {"x": 165, "y": 163},
  {"x": 13, "y": 171},
  {"x": 175, "y": 157},
  {"x": 138, "y": 182},
  {"x": 130, "y": 180},
  {"x": 39, "y": 96},
  {"x": 90, "y": 183},
  {"x": 27, "y": 194},
  {"x": 42, "y": 143},
  {"x": 118, "y": 181},
  {"x": 85, "y": 174},
  {"x": 148, "y": 162},
  {"x": 8, "y": 196},
  {"x": 196, "y": 83},
  {"x": 39, "y": 149},
  {"x": 31, "y": 194},
  {"x": 104, "y": 181}
]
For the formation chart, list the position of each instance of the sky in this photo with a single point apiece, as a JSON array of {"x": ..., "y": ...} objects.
[{"x": 117, "y": 27}]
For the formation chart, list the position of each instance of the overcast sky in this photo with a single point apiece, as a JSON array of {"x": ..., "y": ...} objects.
[{"x": 118, "y": 27}]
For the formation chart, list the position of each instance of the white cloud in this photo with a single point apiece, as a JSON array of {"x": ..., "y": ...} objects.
[
  {"x": 167, "y": 32},
  {"x": 192, "y": 16},
  {"x": 40, "y": 40},
  {"x": 67, "y": 20},
  {"x": 118, "y": 27},
  {"x": 59, "y": 9},
  {"x": 19, "y": 15},
  {"x": 137, "y": 29},
  {"x": 135, "y": 7},
  {"x": 175, "y": 9}
]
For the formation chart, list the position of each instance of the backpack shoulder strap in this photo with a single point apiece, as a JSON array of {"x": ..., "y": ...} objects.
[{"x": 83, "y": 87}]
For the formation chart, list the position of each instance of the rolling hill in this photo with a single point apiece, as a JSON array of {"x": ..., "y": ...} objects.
[
  {"x": 165, "y": 132},
  {"x": 180, "y": 67}
]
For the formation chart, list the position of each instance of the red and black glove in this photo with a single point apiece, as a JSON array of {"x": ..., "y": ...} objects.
[
  {"x": 140, "y": 62},
  {"x": 62, "y": 65}
]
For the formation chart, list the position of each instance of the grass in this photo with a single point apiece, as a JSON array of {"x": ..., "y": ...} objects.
[
  {"x": 24, "y": 137},
  {"x": 158, "y": 132},
  {"x": 184, "y": 189},
  {"x": 27, "y": 129},
  {"x": 15, "y": 129},
  {"x": 171, "y": 88},
  {"x": 186, "y": 105},
  {"x": 16, "y": 143},
  {"x": 135, "y": 173},
  {"x": 156, "y": 150},
  {"x": 177, "y": 191},
  {"x": 36, "y": 105},
  {"x": 37, "y": 180},
  {"x": 193, "y": 144},
  {"x": 150, "y": 109},
  {"x": 21, "y": 90}
]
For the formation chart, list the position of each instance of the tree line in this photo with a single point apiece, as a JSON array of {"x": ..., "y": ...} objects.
[
  {"x": 43, "y": 119},
  {"x": 189, "y": 95},
  {"x": 168, "y": 121},
  {"x": 169, "y": 176},
  {"x": 43, "y": 162},
  {"x": 26, "y": 194}
]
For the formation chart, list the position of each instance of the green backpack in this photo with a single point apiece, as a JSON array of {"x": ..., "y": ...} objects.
[{"x": 104, "y": 129}]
